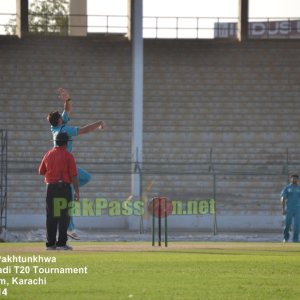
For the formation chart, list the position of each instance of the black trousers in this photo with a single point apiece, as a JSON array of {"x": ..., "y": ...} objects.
[{"x": 58, "y": 197}]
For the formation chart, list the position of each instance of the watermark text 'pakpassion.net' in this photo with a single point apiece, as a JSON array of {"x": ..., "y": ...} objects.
[{"x": 114, "y": 208}]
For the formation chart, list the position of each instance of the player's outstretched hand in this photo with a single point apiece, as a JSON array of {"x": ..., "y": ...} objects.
[
  {"x": 63, "y": 94},
  {"x": 102, "y": 125}
]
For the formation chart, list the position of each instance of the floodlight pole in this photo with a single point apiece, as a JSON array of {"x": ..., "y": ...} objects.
[
  {"x": 135, "y": 34},
  {"x": 22, "y": 18},
  {"x": 243, "y": 22}
]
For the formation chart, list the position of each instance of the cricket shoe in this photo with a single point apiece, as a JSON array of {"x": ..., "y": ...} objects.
[
  {"x": 66, "y": 247},
  {"x": 51, "y": 248},
  {"x": 73, "y": 235}
]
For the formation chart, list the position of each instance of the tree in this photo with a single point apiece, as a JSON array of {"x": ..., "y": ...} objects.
[
  {"x": 45, "y": 16},
  {"x": 11, "y": 27}
]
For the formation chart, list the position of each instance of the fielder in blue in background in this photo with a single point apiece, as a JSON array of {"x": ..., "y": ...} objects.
[
  {"x": 290, "y": 201},
  {"x": 59, "y": 124}
]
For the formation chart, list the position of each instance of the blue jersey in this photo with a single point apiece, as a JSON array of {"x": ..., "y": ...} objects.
[
  {"x": 70, "y": 130},
  {"x": 292, "y": 193}
]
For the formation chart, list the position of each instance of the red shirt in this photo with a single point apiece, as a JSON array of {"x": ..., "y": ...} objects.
[{"x": 58, "y": 164}]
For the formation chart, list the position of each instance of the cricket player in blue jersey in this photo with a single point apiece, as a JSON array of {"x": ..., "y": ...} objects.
[
  {"x": 59, "y": 124},
  {"x": 290, "y": 201}
]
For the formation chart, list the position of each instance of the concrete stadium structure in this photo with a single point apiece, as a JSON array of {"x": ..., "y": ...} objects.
[{"x": 220, "y": 121}]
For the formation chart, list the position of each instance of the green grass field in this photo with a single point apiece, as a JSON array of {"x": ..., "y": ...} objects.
[{"x": 203, "y": 270}]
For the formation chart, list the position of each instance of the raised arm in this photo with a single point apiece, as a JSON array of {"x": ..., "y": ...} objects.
[
  {"x": 91, "y": 127},
  {"x": 64, "y": 95},
  {"x": 68, "y": 106}
]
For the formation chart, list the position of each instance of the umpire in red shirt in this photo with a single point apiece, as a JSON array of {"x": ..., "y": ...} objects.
[{"x": 59, "y": 168}]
